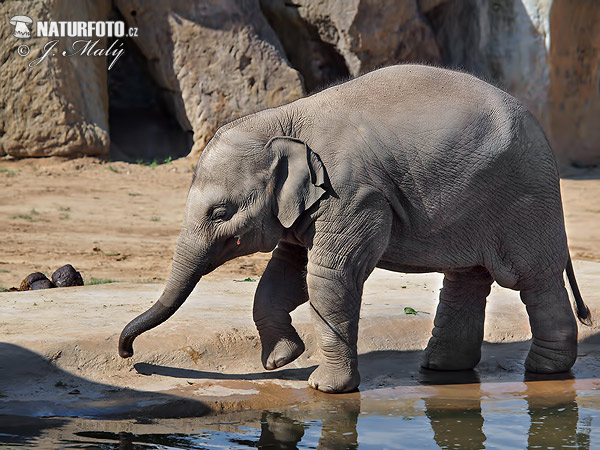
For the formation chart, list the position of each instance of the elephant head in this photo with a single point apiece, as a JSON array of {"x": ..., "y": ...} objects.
[{"x": 244, "y": 195}]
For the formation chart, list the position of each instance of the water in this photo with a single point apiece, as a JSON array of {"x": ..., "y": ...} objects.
[{"x": 542, "y": 414}]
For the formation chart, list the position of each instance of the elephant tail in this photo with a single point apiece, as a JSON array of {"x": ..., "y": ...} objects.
[{"x": 581, "y": 309}]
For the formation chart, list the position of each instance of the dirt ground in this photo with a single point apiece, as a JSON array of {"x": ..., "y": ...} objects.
[
  {"x": 118, "y": 221},
  {"x": 110, "y": 220}
]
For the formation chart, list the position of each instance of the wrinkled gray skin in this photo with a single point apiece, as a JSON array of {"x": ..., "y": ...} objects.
[{"x": 408, "y": 168}]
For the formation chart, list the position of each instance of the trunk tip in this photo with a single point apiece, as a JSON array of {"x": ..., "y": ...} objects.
[
  {"x": 125, "y": 353},
  {"x": 126, "y": 346}
]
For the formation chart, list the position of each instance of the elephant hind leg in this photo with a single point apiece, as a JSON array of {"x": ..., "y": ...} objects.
[
  {"x": 281, "y": 289},
  {"x": 458, "y": 325},
  {"x": 554, "y": 330}
]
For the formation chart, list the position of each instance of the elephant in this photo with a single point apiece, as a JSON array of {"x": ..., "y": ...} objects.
[{"x": 409, "y": 168}]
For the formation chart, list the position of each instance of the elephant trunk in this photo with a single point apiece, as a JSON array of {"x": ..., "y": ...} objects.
[{"x": 189, "y": 265}]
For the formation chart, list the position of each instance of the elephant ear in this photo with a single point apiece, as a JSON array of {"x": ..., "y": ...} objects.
[{"x": 300, "y": 178}]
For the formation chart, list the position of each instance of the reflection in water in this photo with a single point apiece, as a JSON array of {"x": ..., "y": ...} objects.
[
  {"x": 129, "y": 441},
  {"x": 534, "y": 415},
  {"x": 554, "y": 419},
  {"x": 338, "y": 430},
  {"x": 553, "y": 415},
  {"x": 279, "y": 430},
  {"x": 338, "y": 422},
  {"x": 17, "y": 430},
  {"x": 456, "y": 423}
]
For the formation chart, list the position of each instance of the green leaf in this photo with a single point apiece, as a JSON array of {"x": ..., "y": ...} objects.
[
  {"x": 245, "y": 280},
  {"x": 409, "y": 310}
]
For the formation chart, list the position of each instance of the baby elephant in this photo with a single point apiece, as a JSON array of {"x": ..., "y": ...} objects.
[{"x": 409, "y": 168}]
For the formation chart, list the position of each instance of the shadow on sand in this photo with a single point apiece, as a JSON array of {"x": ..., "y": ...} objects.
[
  {"x": 192, "y": 374},
  {"x": 23, "y": 418}
]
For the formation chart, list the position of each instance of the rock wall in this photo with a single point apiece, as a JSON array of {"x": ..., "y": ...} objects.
[
  {"x": 143, "y": 126},
  {"x": 498, "y": 41},
  {"x": 213, "y": 61},
  {"x": 60, "y": 106},
  {"x": 544, "y": 52},
  {"x": 573, "y": 106},
  {"x": 350, "y": 36},
  {"x": 217, "y": 60}
]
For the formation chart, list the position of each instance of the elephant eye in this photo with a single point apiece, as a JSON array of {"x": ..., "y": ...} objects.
[{"x": 219, "y": 213}]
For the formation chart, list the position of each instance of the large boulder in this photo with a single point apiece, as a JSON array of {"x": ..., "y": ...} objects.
[
  {"x": 364, "y": 33},
  {"x": 501, "y": 41},
  {"x": 544, "y": 52},
  {"x": 214, "y": 60},
  {"x": 317, "y": 58},
  {"x": 574, "y": 94},
  {"x": 60, "y": 106}
]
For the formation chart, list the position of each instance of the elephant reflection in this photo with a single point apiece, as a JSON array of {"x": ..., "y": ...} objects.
[
  {"x": 455, "y": 415},
  {"x": 338, "y": 431},
  {"x": 554, "y": 418},
  {"x": 338, "y": 428},
  {"x": 455, "y": 420},
  {"x": 456, "y": 423},
  {"x": 278, "y": 431}
]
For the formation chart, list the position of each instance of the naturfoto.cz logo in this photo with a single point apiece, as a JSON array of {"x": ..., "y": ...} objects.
[{"x": 91, "y": 33}]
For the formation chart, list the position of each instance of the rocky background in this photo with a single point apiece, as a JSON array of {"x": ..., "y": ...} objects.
[{"x": 196, "y": 65}]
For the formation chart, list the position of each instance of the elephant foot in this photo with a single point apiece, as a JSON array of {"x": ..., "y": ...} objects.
[
  {"x": 554, "y": 330},
  {"x": 551, "y": 357},
  {"x": 458, "y": 325},
  {"x": 440, "y": 355},
  {"x": 335, "y": 380},
  {"x": 283, "y": 351}
]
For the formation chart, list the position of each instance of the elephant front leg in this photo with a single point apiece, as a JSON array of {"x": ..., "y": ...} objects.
[
  {"x": 335, "y": 308},
  {"x": 346, "y": 246},
  {"x": 281, "y": 289},
  {"x": 458, "y": 325}
]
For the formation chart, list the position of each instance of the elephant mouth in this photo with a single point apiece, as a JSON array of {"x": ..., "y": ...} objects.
[{"x": 233, "y": 247}]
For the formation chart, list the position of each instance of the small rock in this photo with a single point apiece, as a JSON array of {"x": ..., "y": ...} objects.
[
  {"x": 67, "y": 276},
  {"x": 30, "y": 279},
  {"x": 42, "y": 284}
]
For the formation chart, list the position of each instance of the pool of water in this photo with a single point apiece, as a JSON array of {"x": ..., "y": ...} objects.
[{"x": 541, "y": 414}]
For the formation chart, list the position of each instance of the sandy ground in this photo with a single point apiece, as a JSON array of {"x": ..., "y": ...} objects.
[
  {"x": 111, "y": 221},
  {"x": 119, "y": 221},
  {"x": 61, "y": 360}
]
